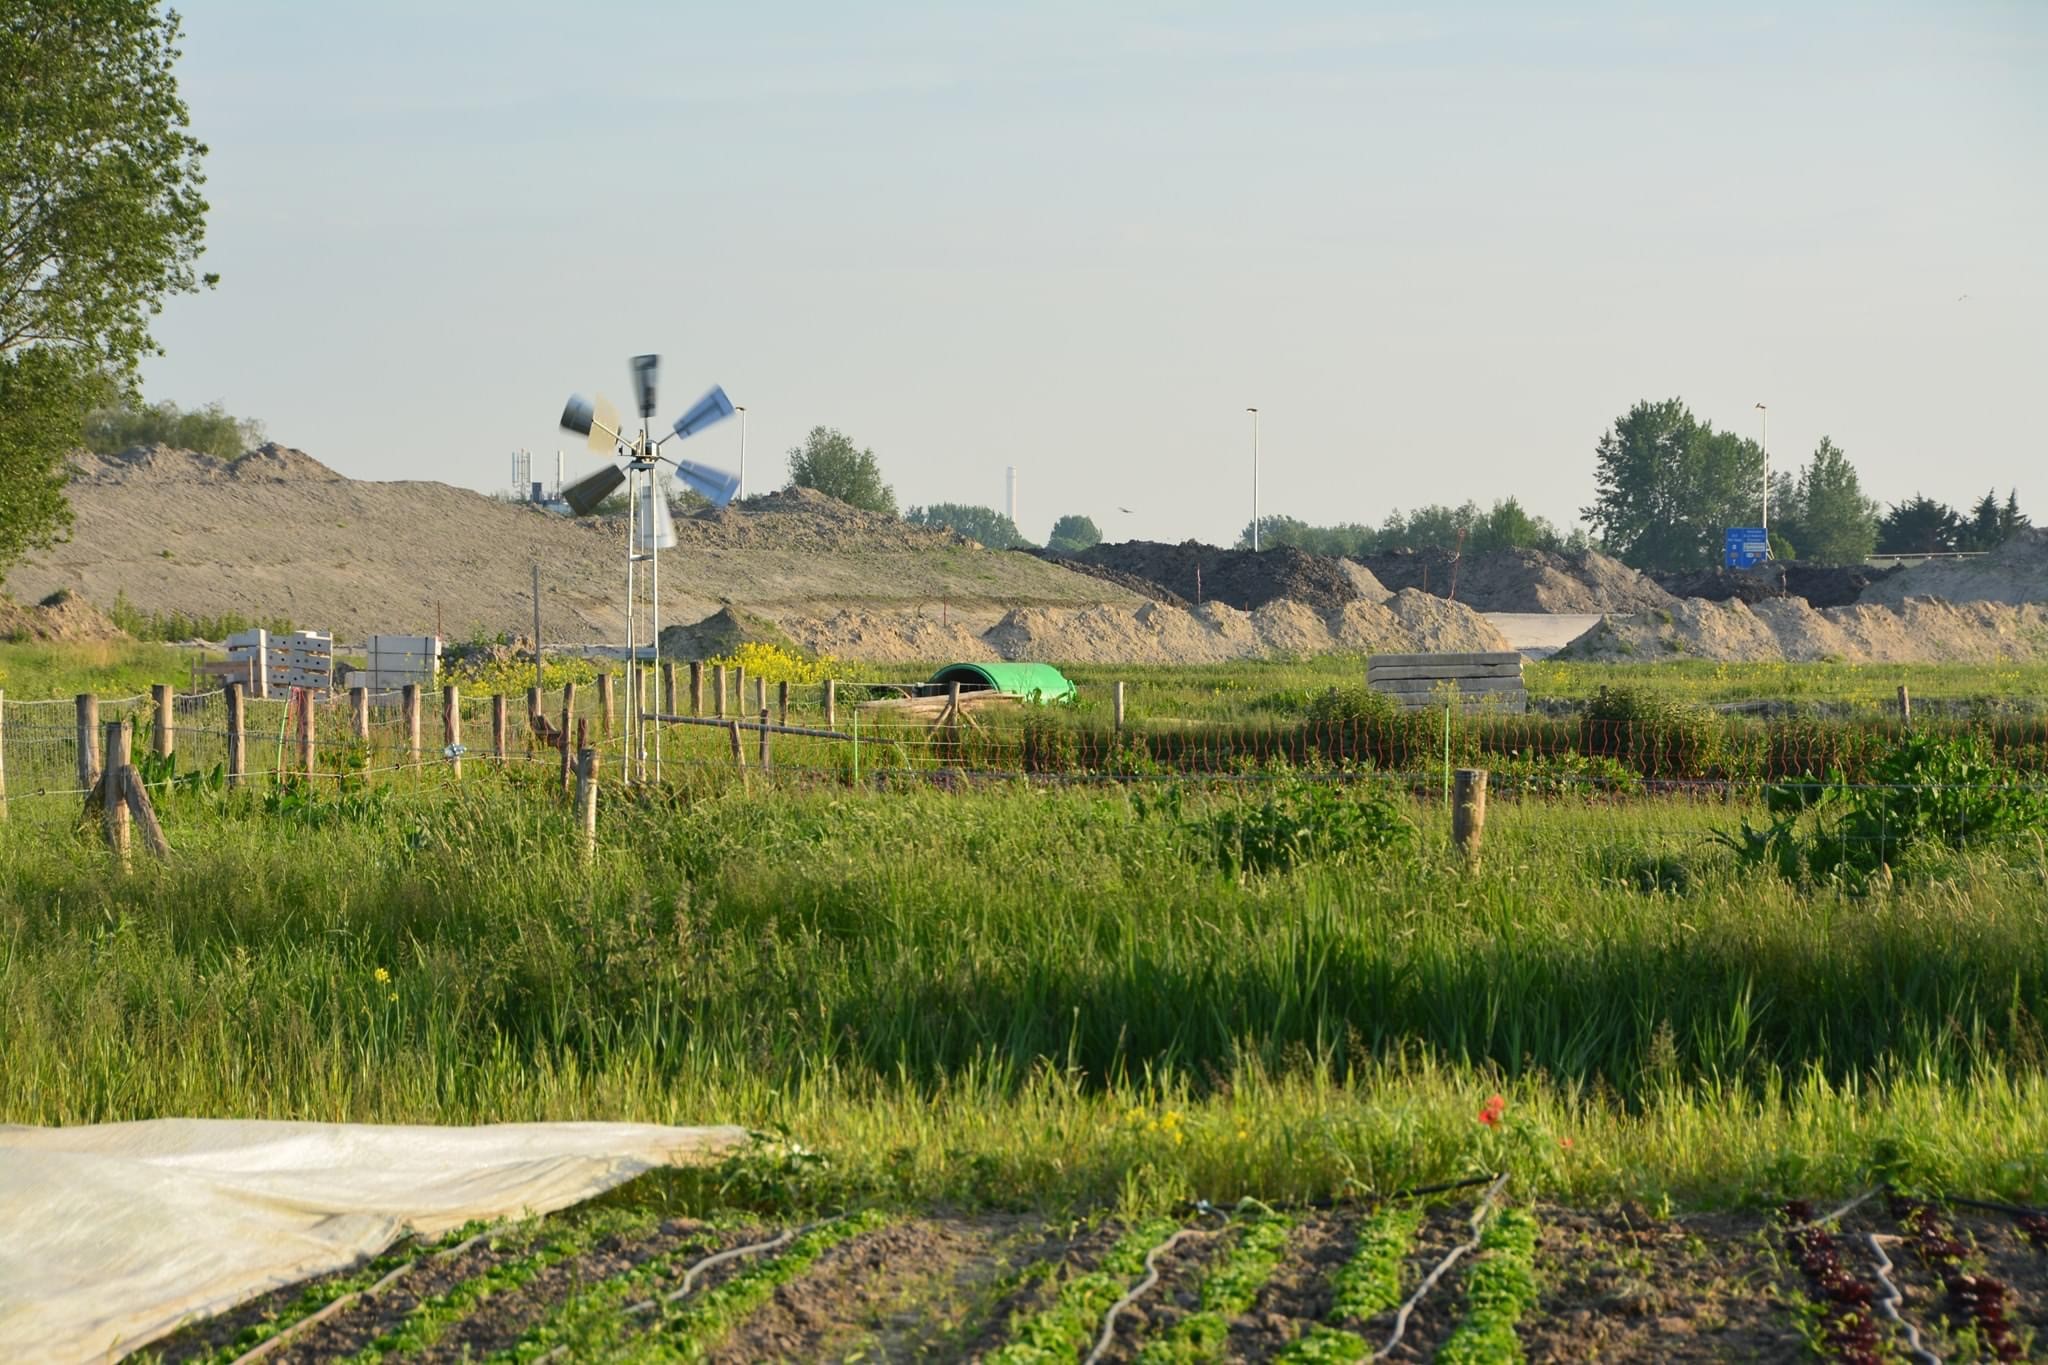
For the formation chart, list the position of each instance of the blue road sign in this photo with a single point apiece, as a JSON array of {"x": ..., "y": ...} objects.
[{"x": 1744, "y": 546}]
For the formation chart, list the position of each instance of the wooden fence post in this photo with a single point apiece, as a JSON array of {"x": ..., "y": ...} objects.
[
  {"x": 164, "y": 737},
  {"x": 568, "y": 711},
  {"x": 236, "y": 767},
  {"x": 739, "y": 754},
  {"x": 951, "y": 723},
  {"x": 782, "y": 702},
  {"x": 760, "y": 693},
  {"x": 145, "y": 815},
  {"x": 114, "y": 804},
  {"x": 586, "y": 800},
  {"x": 1119, "y": 708},
  {"x": 739, "y": 688},
  {"x": 498, "y": 728},
  {"x": 1905, "y": 707},
  {"x": 668, "y": 687},
  {"x": 718, "y": 691},
  {"x": 3, "y": 753},
  {"x": 604, "y": 704},
  {"x": 303, "y": 698},
  {"x": 409, "y": 708},
  {"x": 359, "y": 714},
  {"x": 696, "y": 687},
  {"x": 451, "y": 724},
  {"x": 88, "y": 740},
  {"x": 765, "y": 763},
  {"x": 1468, "y": 812},
  {"x": 831, "y": 702}
]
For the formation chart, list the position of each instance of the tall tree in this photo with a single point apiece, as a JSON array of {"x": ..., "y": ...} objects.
[
  {"x": 100, "y": 220},
  {"x": 1667, "y": 486},
  {"x": 1073, "y": 533},
  {"x": 2011, "y": 521},
  {"x": 829, "y": 461},
  {"x": 1836, "y": 524},
  {"x": 984, "y": 524},
  {"x": 1982, "y": 531},
  {"x": 1920, "y": 525}
]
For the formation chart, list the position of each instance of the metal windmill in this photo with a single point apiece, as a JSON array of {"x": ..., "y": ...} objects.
[{"x": 649, "y": 527}]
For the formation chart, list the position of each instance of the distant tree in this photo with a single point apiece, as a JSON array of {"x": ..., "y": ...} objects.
[
  {"x": 2011, "y": 521},
  {"x": 1434, "y": 527},
  {"x": 829, "y": 462},
  {"x": 1508, "y": 527},
  {"x": 1919, "y": 525},
  {"x": 984, "y": 524},
  {"x": 126, "y": 423},
  {"x": 1348, "y": 538},
  {"x": 1982, "y": 530},
  {"x": 1073, "y": 533},
  {"x": 1668, "y": 485},
  {"x": 1829, "y": 519}
]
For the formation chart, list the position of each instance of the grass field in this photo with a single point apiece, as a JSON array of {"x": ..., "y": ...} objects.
[{"x": 1064, "y": 1002}]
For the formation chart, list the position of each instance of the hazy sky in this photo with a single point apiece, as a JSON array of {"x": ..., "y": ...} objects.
[{"x": 1441, "y": 247}]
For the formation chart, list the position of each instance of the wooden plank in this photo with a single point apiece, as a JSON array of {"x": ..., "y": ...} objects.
[
  {"x": 1498, "y": 656},
  {"x": 1427, "y": 685},
  {"x": 1454, "y": 671}
]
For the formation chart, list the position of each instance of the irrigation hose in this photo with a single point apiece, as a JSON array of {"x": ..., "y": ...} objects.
[
  {"x": 1450, "y": 1259},
  {"x": 1812, "y": 1223},
  {"x": 1142, "y": 1288},
  {"x": 305, "y": 1324},
  {"x": 1889, "y": 1304}
]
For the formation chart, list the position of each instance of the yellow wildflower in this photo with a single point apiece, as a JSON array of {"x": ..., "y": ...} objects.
[{"x": 381, "y": 975}]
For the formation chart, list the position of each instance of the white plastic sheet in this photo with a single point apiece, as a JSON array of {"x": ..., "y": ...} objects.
[{"x": 112, "y": 1235}]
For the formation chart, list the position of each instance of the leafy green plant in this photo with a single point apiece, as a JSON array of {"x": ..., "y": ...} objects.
[
  {"x": 1501, "y": 1287},
  {"x": 1298, "y": 821},
  {"x": 1933, "y": 793},
  {"x": 1228, "y": 1290},
  {"x": 1062, "y": 1328}
]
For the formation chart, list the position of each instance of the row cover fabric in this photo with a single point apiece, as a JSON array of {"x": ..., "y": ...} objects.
[{"x": 112, "y": 1235}]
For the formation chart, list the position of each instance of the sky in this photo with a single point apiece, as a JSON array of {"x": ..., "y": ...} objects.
[{"x": 1441, "y": 248}]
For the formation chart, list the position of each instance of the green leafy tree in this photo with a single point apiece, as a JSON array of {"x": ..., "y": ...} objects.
[
  {"x": 1920, "y": 525},
  {"x": 1830, "y": 520},
  {"x": 211, "y": 429},
  {"x": 2011, "y": 521},
  {"x": 100, "y": 220},
  {"x": 984, "y": 524},
  {"x": 1668, "y": 485},
  {"x": 1073, "y": 533},
  {"x": 829, "y": 461}
]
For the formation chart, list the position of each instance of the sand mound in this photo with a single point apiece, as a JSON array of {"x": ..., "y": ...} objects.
[
  {"x": 1202, "y": 573},
  {"x": 804, "y": 519},
  {"x": 1215, "y": 632},
  {"x": 268, "y": 463},
  {"x": 719, "y": 634},
  {"x": 60, "y": 616},
  {"x": 1522, "y": 580},
  {"x": 1791, "y": 630},
  {"x": 2015, "y": 572},
  {"x": 889, "y": 637}
]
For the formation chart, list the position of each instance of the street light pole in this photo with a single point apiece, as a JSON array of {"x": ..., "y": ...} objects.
[
  {"x": 1255, "y": 478},
  {"x": 742, "y": 411},
  {"x": 1765, "y": 410}
]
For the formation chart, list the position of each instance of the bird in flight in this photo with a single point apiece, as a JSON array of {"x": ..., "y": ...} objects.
[{"x": 1125, "y": 510}]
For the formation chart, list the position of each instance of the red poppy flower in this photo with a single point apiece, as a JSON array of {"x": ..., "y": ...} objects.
[{"x": 1490, "y": 1113}]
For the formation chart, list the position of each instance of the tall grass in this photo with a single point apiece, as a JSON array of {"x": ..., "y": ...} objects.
[{"x": 966, "y": 994}]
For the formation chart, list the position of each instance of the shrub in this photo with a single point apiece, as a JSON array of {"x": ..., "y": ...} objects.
[
  {"x": 1299, "y": 822},
  {"x": 1657, "y": 735}
]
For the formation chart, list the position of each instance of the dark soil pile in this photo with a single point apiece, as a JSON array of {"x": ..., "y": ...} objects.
[
  {"x": 1240, "y": 578},
  {"x": 1521, "y": 580},
  {"x": 1144, "y": 587},
  {"x": 1822, "y": 585}
]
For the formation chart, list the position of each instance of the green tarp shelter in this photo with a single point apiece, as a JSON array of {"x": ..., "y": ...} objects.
[{"x": 1041, "y": 683}]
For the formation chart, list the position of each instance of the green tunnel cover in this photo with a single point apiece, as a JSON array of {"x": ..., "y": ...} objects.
[{"x": 1039, "y": 682}]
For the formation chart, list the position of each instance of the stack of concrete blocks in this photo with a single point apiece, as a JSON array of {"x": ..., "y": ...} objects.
[
  {"x": 1473, "y": 682},
  {"x": 395, "y": 660},
  {"x": 274, "y": 664}
]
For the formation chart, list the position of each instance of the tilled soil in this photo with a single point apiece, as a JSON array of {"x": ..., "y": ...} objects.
[{"x": 1614, "y": 1284}]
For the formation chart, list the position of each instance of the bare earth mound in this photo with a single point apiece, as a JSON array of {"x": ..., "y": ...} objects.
[
  {"x": 1522, "y": 580},
  {"x": 1787, "y": 629},
  {"x": 61, "y": 616},
  {"x": 1412, "y": 622},
  {"x": 278, "y": 534},
  {"x": 2015, "y": 572},
  {"x": 1201, "y": 573}
]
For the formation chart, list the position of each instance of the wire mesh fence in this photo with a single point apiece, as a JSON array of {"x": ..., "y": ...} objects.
[{"x": 1671, "y": 775}]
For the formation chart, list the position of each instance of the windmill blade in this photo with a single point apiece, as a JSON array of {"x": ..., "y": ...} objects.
[
  {"x": 586, "y": 493},
  {"x": 712, "y": 407},
  {"x": 715, "y": 484},
  {"x": 645, "y": 368},
  {"x": 595, "y": 421}
]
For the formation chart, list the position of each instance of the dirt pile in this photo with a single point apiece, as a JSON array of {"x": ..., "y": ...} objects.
[
  {"x": 719, "y": 634},
  {"x": 1521, "y": 580},
  {"x": 1412, "y": 622},
  {"x": 1201, "y": 573},
  {"x": 2015, "y": 572},
  {"x": 1791, "y": 630},
  {"x": 1822, "y": 585},
  {"x": 276, "y": 534},
  {"x": 894, "y": 637},
  {"x": 1143, "y": 587},
  {"x": 62, "y": 616}
]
